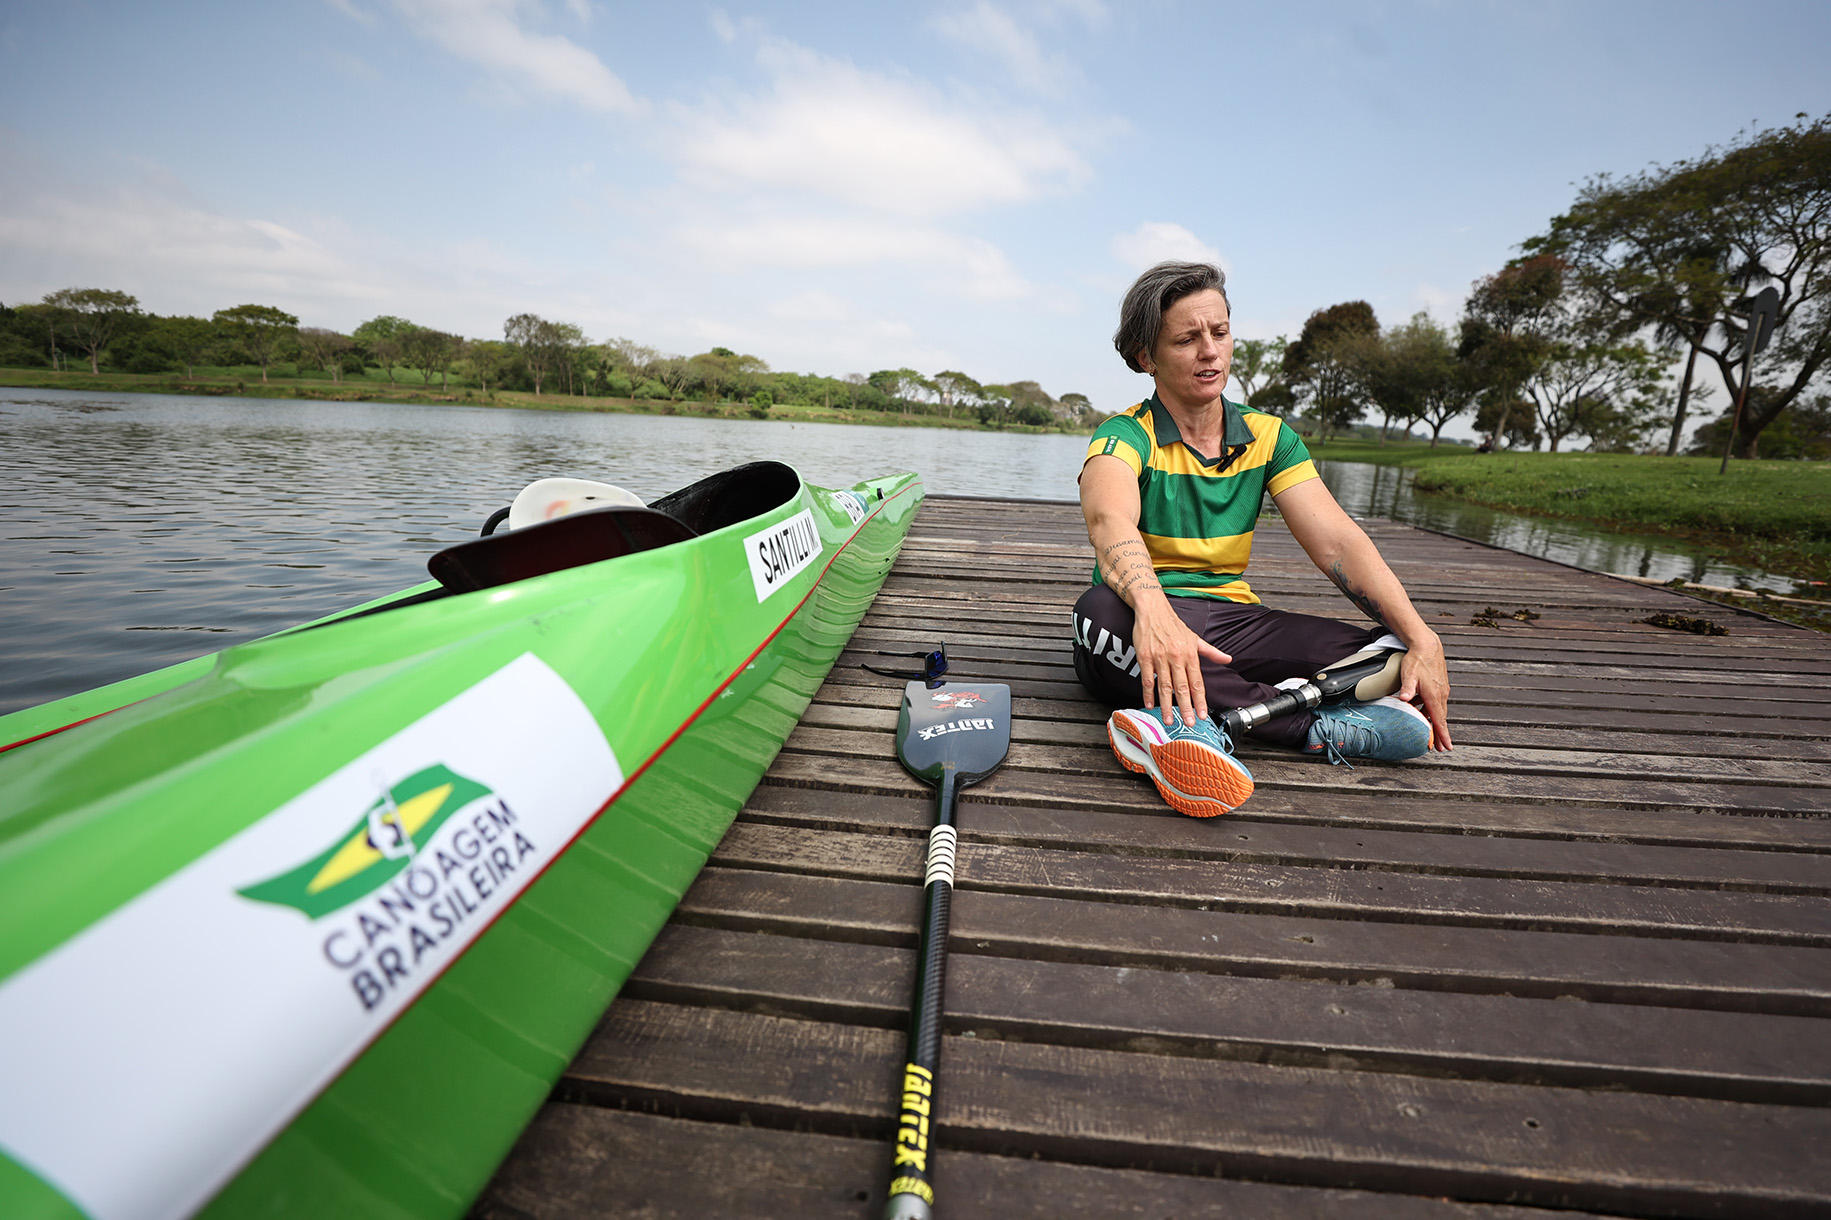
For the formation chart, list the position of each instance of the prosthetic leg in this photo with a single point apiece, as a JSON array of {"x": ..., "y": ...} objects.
[{"x": 1368, "y": 674}]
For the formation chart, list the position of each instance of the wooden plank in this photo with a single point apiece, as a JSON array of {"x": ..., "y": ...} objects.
[
  {"x": 1477, "y": 1140},
  {"x": 1095, "y": 758},
  {"x": 579, "y": 1161},
  {"x": 845, "y": 708},
  {"x": 837, "y": 810},
  {"x": 1464, "y": 901},
  {"x": 1605, "y": 969},
  {"x": 857, "y": 689},
  {"x": 1242, "y": 840},
  {"x": 1319, "y": 782},
  {"x": 1770, "y": 1059}
]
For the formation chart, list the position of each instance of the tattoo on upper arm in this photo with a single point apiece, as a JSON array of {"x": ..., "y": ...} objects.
[{"x": 1367, "y": 603}]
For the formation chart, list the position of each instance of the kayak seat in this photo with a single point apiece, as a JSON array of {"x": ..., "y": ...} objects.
[
  {"x": 553, "y": 546},
  {"x": 731, "y": 496}
]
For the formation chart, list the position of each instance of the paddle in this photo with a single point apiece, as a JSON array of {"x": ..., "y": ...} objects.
[{"x": 949, "y": 734}]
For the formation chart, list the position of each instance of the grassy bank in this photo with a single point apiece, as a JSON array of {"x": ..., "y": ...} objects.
[
  {"x": 246, "y": 383},
  {"x": 1772, "y": 515}
]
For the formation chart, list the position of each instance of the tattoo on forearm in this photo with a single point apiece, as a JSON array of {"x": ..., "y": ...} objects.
[
  {"x": 1126, "y": 566},
  {"x": 1368, "y": 605}
]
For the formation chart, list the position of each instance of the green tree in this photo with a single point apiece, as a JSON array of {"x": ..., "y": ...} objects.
[
  {"x": 1594, "y": 388},
  {"x": 384, "y": 336},
  {"x": 431, "y": 351},
  {"x": 1678, "y": 247},
  {"x": 324, "y": 349},
  {"x": 1031, "y": 404},
  {"x": 192, "y": 341},
  {"x": 1387, "y": 378},
  {"x": 1327, "y": 362},
  {"x": 488, "y": 358},
  {"x": 536, "y": 340},
  {"x": 1639, "y": 246},
  {"x": 1505, "y": 334},
  {"x": 634, "y": 360},
  {"x": 1082, "y": 407},
  {"x": 954, "y": 388},
  {"x": 259, "y": 328},
  {"x": 1439, "y": 386},
  {"x": 1256, "y": 364},
  {"x": 93, "y": 316}
]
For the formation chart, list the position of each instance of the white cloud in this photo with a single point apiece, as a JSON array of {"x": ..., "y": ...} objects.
[
  {"x": 1155, "y": 240},
  {"x": 958, "y": 265},
  {"x": 879, "y": 142},
  {"x": 490, "y": 34},
  {"x": 991, "y": 30}
]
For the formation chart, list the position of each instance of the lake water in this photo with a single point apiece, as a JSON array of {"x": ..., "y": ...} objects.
[{"x": 140, "y": 530}]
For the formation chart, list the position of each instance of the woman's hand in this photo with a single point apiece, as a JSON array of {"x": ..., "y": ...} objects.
[
  {"x": 1170, "y": 660},
  {"x": 1424, "y": 675}
]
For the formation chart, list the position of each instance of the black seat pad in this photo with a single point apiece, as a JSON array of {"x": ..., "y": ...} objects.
[{"x": 553, "y": 546}]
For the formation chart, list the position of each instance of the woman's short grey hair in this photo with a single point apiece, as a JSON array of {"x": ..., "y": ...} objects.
[{"x": 1141, "y": 313}]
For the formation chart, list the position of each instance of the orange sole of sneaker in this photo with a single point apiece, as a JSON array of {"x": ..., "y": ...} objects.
[{"x": 1187, "y": 776}]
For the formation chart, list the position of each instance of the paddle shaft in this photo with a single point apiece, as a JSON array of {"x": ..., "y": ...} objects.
[{"x": 912, "y": 1193}]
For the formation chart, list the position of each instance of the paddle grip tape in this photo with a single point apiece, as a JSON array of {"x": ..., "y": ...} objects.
[{"x": 941, "y": 844}]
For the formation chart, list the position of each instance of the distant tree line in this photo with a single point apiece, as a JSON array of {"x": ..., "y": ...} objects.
[
  {"x": 106, "y": 329},
  {"x": 1572, "y": 340}
]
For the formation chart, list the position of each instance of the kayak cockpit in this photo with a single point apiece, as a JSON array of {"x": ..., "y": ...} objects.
[{"x": 597, "y": 534}]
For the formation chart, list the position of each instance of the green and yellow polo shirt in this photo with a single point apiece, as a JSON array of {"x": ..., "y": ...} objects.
[{"x": 1197, "y": 514}]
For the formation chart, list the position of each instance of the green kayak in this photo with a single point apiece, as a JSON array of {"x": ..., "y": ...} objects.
[{"x": 309, "y": 927}]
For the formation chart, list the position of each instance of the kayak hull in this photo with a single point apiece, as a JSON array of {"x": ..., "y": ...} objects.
[{"x": 693, "y": 689}]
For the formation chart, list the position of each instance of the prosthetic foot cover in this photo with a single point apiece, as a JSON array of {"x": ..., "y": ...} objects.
[{"x": 1192, "y": 764}]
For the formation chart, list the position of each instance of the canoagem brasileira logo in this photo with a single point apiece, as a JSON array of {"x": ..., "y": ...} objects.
[{"x": 372, "y": 852}]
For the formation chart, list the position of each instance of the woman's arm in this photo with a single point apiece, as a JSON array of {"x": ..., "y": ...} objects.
[
  {"x": 1348, "y": 557},
  {"x": 1169, "y": 654}
]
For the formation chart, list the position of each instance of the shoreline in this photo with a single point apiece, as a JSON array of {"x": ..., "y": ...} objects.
[{"x": 384, "y": 392}]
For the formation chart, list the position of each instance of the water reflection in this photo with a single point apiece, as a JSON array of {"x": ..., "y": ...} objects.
[{"x": 1367, "y": 490}]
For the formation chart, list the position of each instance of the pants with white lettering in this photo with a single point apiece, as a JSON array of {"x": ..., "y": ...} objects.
[{"x": 1267, "y": 646}]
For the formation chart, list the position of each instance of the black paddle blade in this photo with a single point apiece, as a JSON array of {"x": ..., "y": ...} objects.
[{"x": 965, "y": 726}]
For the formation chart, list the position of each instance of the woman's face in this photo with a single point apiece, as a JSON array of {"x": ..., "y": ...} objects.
[{"x": 1194, "y": 350}]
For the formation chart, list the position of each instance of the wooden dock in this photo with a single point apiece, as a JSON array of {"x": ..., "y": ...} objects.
[{"x": 1582, "y": 963}]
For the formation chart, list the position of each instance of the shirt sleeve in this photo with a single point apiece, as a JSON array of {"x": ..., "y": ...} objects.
[
  {"x": 1122, "y": 437},
  {"x": 1290, "y": 462}
]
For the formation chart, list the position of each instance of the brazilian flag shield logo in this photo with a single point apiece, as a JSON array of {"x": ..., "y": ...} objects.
[{"x": 380, "y": 844}]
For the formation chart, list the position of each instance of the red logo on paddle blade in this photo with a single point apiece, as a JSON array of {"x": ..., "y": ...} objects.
[{"x": 955, "y": 699}]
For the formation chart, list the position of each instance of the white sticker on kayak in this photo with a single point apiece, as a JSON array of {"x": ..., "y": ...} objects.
[
  {"x": 780, "y": 552},
  {"x": 148, "y": 1058},
  {"x": 854, "y": 504}
]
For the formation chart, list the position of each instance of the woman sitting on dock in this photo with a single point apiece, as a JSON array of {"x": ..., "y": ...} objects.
[{"x": 1171, "y": 490}]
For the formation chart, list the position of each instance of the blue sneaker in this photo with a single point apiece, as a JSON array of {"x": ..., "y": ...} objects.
[
  {"x": 1192, "y": 764},
  {"x": 1388, "y": 729}
]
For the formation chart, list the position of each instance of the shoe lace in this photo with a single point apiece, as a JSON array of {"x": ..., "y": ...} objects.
[{"x": 1341, "y": 722}]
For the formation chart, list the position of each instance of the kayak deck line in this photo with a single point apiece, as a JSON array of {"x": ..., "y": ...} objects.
[{"x": 1583, "y": 962}]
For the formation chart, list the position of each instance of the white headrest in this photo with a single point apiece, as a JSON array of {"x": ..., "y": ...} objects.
[{"x": 545, "y": 499}]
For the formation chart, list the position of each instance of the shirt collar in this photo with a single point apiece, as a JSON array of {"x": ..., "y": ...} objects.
[{"x": 1236, "y": 434}]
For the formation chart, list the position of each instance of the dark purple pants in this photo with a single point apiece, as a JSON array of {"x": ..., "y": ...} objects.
[{"x": 1267, "y": 646}]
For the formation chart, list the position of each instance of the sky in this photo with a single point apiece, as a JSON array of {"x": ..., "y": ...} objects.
[{"x": 840, "y": 188}]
